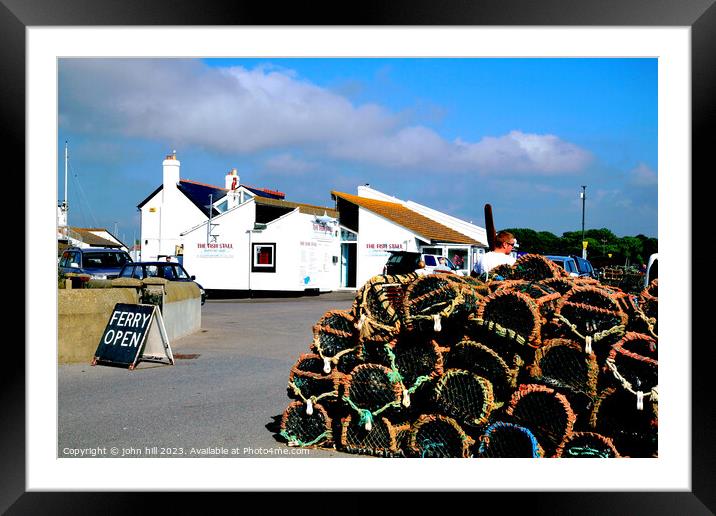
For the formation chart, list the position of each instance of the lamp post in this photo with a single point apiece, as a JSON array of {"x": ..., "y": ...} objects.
[{"x": 583, "y": 195}]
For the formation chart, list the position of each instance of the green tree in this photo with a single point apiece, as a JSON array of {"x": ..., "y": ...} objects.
[
  {"x": 630, "y": 248},
  {"x": 531, "y": 241}
]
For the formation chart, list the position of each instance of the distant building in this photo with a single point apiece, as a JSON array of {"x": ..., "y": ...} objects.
[{"x": 86, "y": 237}]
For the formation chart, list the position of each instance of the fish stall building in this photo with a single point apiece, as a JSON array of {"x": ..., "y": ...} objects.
[{"x": 373, "y": 224}]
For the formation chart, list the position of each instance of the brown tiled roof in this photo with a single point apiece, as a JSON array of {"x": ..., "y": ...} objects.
[
  {"x": 409, "y": 219},
  {"x": 303, "y": 208}
]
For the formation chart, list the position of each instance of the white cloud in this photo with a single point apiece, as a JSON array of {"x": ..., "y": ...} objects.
[
  {"x": 236, "y": 110},
  {"x": 643, "y": 175}
]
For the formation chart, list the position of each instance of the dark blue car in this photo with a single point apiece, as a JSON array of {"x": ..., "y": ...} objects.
[
  {"x": 97, "y": 262},
  {"x": 575, "y": 265},
  {"x": 584, "y": 267}
]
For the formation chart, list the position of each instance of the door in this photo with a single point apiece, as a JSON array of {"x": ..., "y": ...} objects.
[{"x": 348, "y": 264}]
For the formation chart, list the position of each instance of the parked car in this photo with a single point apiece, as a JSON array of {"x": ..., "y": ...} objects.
[
  {"x": 584, "y": 267},
  {"x": 97, "y": 262},
  {"x": 568, "y": 263},
  {"x": 171, "y": 271},
  {"x": 404, "y": 262},
  {"x": 652, "y": 269}
]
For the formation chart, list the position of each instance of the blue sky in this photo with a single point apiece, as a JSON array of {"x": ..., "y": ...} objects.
[{"x": 453, "y": 134}]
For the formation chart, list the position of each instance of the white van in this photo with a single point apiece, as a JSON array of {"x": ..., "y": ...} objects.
[
  {"x": 652, "y": 269},
  {"x": 432, "y": 263}
]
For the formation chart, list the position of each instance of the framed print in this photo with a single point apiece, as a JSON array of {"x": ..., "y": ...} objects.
[{"x": 676, "y": 36}]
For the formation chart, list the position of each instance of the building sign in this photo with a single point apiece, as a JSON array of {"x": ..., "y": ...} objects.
[
  {"x": 134, "y": 333},
  {"x": 215, "y": 250},
  {"x": 315, "y": 260},
  {"x": 322, "y": 231},
  {"x": 382, "y": 248}
]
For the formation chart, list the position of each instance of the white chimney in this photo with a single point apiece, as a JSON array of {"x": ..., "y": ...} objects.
[
  {"x": 232, "y": 180},
  {"x": 232, "y": 185},
  {"x": 171, "y": 171}
]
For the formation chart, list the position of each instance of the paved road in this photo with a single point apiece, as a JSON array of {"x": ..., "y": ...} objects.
[{"x": 224, "y": 402}]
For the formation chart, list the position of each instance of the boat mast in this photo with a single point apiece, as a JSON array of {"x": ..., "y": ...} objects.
[{"x": 64, "y": 203}]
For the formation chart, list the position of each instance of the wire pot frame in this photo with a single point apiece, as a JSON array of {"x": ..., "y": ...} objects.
[
  {"x": 508, "y": 440},
  {"x": 587, "y": 445},
  {"x": 438, "y": 436},
  {"x": 300, "y": 428},
  {"x": 545, "y": 412}
]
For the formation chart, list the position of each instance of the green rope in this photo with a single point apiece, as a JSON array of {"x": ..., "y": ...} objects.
[
  {"x": 372, "y": 414},
  {"x": 395, "y": 376},
  {"x": 297, "y": 442},
  {"x": 429, "y": 446},
  {"x": 418, "y": 383},
  {"x": 579, "y": 451},
  {"x": 365, "y": 417}
]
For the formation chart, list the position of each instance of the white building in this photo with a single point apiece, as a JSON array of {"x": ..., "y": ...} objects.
[
  {"x": 240, "y": 237},
  {"x": 373, "y": 224}
]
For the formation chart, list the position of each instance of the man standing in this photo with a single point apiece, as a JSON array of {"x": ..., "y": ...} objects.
[{"x": 504, "y": 243}]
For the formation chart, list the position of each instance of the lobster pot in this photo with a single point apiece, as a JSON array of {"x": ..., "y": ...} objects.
[
  {"x": 649, "y": 303},
  {"x": 307, "y": 380},
  {"x": 370, "y": 390},
  {"x": 587, "y": 445},
  {"x": 545, "y": 296},
  {"x": 300, "y": 428},
  {"x": 634, "y": 432},
  {"x": 485, "y": 362},
  {"x": 377, "y": 352},
  {"x": 402, "y": 437},
  {"x": 545, "y": 412},
  {"x": 334, "y": 340},
  {"x": 560, "y": 284},
  {"x": 590, "y": 316},
  {"x": 626, "y": 279},
  {"x": 437, "y": 436},
  {"x": 632, "y": 363},
  {"x": 500, "y": 273},
  {"x": 472, "y": 291},
  {"x": 381, "y": 440},
  {"x": 535, "y": 267},
  {"x": 512, "y": 314},
  {"x": 465, "y": 397},
  {"x": 629, "y": 304},
  {"x": 429, "y": 301},
  {"x": 374, "y": 311},
  {"x": 513, "y": 350},
  {"x": 507, "y": 440},
  {"x": 418, "y": 361},
  {"x": 563, "y": 365}
]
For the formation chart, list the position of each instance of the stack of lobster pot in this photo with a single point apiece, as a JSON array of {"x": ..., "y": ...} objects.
[{"x": 529, "y": 363}]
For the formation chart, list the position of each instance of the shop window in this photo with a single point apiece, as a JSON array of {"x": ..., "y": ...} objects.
[{"x": 263, "y": 257}]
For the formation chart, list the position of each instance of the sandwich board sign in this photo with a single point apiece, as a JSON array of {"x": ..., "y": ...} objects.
[{"x": 134, "y": 333}]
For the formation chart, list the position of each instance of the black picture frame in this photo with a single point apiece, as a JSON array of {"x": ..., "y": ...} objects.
[
  {"x": 259, "y": 268},
  {"x": 699, "y": 15}
]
